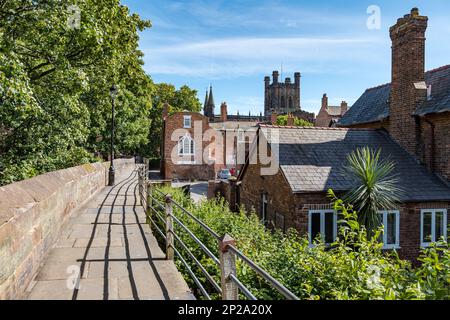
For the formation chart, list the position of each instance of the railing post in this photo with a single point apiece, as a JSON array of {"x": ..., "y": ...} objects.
[
  {"x": 230, "y": 290},
  {"x": 140, "y": 184},
  {"x": 169, "y": 229},
  {"x": 149, "y": 199}
]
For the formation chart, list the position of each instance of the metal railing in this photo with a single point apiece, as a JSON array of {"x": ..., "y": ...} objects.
[{"x": 230, "y": 285}]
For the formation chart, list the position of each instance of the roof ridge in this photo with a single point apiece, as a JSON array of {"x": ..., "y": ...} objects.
[
  {"x": 438, "y": 69},
  {"x": 315, "y": 128},
  {"x": 379, "y": 86}
]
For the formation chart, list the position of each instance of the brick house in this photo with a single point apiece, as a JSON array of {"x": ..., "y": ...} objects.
[
  {"x": 409, "y": 119},
  {"x": 196, "y": 146},
  {"x": 330, "y": 115},
  {"x": 311, "y": 161}
]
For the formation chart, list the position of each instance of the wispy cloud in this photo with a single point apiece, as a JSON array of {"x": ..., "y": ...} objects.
[{"x": 231, "y": 57}]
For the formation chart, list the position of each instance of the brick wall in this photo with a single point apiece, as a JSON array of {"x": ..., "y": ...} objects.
[
  {"x": 435, "y": 146},
  {"x": 295, "y": 208},
  {"x": 33, "y": 213},
  {"x": 197, "y": 171}
]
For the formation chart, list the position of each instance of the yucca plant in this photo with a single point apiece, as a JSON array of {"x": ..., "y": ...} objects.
[{"x": 375, "y": 186}]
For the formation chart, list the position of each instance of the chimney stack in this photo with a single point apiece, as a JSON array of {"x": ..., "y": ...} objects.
[
  {"x": 290, "y": 120},
  {"x": 274, "y": 118},
  {"x": 324, "y": 101},
  {"x": 408, "y": 78},
  {"x": 344, "y": 107},
  {"x": 223, "y": 112}
]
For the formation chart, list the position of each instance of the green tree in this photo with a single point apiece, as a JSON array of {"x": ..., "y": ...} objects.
[
  {"x": 375, "y": 186},
  {"x": 298, "y": 122},
  {"x": 55, "y": 80},
  {"x": 182, "y": 99}
]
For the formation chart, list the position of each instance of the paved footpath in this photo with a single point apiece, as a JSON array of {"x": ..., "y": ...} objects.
[{"x": 108, "y": 242}]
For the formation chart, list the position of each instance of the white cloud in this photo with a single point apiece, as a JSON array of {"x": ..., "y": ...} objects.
[{"x": 230, "y": 57}]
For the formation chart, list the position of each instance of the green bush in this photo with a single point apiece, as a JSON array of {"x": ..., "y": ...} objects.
[{"x": 353, "y": 268}]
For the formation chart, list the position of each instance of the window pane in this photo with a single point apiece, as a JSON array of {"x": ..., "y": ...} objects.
[
  {"x": 439, "y": 225},
  {"x": 315, "y": 225},
  {"x": 329, "y": 227},
  {"x": 391, "y": 229},
  {"x": 192, "y": 146},
  {"x": 426, "y": 223}
]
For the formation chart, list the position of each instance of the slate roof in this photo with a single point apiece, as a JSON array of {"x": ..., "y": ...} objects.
[
  {"x": 373, "y": 105},
  {"x": 312, "y": 160}
]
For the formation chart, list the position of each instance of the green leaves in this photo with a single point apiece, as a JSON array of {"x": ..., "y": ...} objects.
[
  {"x": 375, "y": 185},
  {"x": 55, "y": 110}
]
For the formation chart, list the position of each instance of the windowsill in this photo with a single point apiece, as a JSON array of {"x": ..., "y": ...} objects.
[
  {"x": 429, "y": 244},
  {"x": 391, "y": 247}
]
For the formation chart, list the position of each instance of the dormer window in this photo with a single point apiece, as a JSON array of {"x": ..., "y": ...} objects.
[{"x": 187, "y": 122}]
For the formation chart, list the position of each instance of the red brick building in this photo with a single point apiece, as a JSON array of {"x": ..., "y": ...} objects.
[
  {"x": 409, "y": 120},
  {"x": 196, "y": 146},
  {"x": 330, "y": 115}
]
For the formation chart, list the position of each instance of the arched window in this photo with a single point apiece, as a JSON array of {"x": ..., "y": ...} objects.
[{"x": 186, "y": 146}]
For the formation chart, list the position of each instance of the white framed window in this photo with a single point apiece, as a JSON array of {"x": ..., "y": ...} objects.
[
  {"x": 186, "y": 146},
  {"x": 322, "y": 223},
  {"x": 390, "y": 219},
  {"x": 187, "y": 122},
  {"x": 433, "y": 226}
]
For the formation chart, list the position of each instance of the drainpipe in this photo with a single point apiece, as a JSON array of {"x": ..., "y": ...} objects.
[{"x": 433, "y": 144}]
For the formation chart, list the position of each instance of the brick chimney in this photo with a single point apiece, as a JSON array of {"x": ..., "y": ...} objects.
[
  {"x": 408, "y": 87},
  {"x": 324, "y": 101},
  {"x": 344, "y": 107},
  {"x": 223, "y": 112},
  {"x": 274, "y": 118},
  {"x": 290, "y": 120},
  {"x": 165, "y": 112}
]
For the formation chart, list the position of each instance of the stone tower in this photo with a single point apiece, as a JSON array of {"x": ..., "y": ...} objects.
[
  {"x": 281, "y": 97},
  {"x": 209, "y": 106},
  {"x": 408, "y": 87}
]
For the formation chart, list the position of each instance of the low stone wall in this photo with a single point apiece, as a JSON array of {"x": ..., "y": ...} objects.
[
  {"x": 33, "y": 213},
  {"x": 224, "y": 189}
]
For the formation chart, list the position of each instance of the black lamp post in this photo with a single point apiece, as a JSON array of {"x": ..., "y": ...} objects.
[{"x": 112, "y": 172}]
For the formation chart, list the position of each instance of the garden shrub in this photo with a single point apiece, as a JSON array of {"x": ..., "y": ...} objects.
[{"x": 353, "y": 268}]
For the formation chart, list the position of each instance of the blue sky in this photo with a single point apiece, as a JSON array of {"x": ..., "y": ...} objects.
[{"x": 234, "y": 44}]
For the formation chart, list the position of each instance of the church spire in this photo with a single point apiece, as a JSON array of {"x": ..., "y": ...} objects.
[
  {"x": 209, "y": 104},
  {"x": 205, "y": 105},
  {"x": 211, "y": 98}
]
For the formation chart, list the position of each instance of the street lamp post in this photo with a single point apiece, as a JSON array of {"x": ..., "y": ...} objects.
[{"x": 112, "y": 172}]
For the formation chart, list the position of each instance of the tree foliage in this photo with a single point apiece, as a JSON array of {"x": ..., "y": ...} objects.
[
  {"x": 55, "y": 77},
  {"x": 375, "y": 185},
  {"x": 298, "y": 122}
]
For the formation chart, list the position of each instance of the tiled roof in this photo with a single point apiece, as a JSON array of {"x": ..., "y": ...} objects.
[
  {"x": 373, "y": 105},
  {"x": 312, "y": 160},
  {"x": 334, "y": 110},
  {"x": 439, "y": 79}
]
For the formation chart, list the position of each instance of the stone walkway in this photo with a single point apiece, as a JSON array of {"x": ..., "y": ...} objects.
[{"x": 110, "y": 245}]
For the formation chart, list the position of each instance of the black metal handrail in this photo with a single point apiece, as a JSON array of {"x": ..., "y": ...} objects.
[{"x": 154, "y": 205}]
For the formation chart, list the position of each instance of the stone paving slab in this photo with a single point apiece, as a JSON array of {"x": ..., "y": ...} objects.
[{"x": 116, "y": 250}]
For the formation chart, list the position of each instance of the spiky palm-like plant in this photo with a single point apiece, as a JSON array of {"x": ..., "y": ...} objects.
[{"x": 375, "y": 186}]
